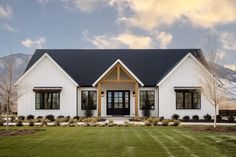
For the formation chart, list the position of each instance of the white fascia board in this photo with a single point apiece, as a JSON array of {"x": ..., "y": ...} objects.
[
  {"x": 126, "y": 68},
  {"x": 38, "y": 61}
]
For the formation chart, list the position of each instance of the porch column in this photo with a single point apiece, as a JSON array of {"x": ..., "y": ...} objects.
[
  {"x": 99, "y": 99},
  {"x": 136, "y": 98}
]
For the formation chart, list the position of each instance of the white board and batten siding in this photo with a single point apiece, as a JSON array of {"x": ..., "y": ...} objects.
[
  {"x": 187, "y": 74},
  {"x": 47, "y": 74}
]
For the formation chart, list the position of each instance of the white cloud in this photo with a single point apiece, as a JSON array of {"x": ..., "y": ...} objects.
[
  {"x": 231, "y": 66},
  {"x": 8, "y": 28},
  {"x": 34, "y": 44},
  {"x": 228, "y": 40},
  {"x": 165, "y": 39},
  {"x": 123, "y": 40},
  {"x": 134, "y": 41},
  {"x": 5, "y": 12},
  {"x": 150, "y": 14}
]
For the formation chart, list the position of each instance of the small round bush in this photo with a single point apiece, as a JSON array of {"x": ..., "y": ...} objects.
[
  {"x": 19, "y": 123},
  {"x": 175, "y": 116},
  {"x": 195, "y": 117},
  {"x": 30, "y": 117},
  {"x": 60, "y": 116},
  {"x": 147, "y": 123},
  {"x": 50, "y": 118},
  {"x": 57, "y": 122},
  {"x": 165, "y": 122},
  {"x": 13, "y": 117},
  {"x": 40, "y": 117},
  {"x": 186, "y": 118},
  {"x": 207, "y": 117},
  {"x": 218, "y": 118},
  {"x": 161, "y": 118},
  {"x": 31, "y": 123},
  {"x": 44, "y": 122},
  {"x": 231, "y": 119},
  {"x": 21, "y": 117},
  {"x": 68, "y": 117},
  {"x": 155, "y": 121}
]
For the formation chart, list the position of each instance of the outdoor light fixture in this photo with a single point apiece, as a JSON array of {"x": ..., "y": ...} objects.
[
  {"x": 102, "y": 93},
  {"x": 133, "y": 93}
]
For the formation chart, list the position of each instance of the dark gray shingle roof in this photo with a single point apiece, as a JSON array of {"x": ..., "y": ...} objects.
[{"x": 86, "y": 65}]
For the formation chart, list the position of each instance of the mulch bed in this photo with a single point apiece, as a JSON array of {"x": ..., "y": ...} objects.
[
  {"x": 15, "y": 132},
  {"x": 217, "y": 129}
]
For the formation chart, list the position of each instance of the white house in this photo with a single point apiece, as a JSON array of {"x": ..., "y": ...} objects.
[{"x": 115, "y": 82}]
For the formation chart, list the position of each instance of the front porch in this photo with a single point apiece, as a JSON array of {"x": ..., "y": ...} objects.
[{"x": 117, "y": 92}]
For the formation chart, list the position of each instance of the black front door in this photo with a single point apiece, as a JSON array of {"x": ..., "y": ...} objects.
[{"x": 118, "y": 102}]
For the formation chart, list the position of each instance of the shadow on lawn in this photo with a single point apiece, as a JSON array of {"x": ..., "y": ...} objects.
[{"x": 14, "y": 132}]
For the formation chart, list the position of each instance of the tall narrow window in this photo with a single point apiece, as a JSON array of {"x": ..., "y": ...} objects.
[
  {"x": 147, "y": 99},
  {"x": 47, "y": 100},
  {"x": 188, "y": 99},
  {"x": 89, "y": 100}
]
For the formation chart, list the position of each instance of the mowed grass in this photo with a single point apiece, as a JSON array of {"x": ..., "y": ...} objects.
[{"x": 119, "y": 141}]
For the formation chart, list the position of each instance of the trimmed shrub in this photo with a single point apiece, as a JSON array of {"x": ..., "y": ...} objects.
[
  {"x": 21, "y": 117},
  {"x": 231, "y": 119},
  {"x": 207, "y": 117},
  {"x": 19, "y": 123},
  {"x": 38, "y": 120},
  {"x": 50, "y": 118},
  {"x": 30, "y": 117},
  {"x": 60, "y": 116},
  {"x": 40, "y": 117},
  {"x": 165, "y": 122},
  {"x": 31, "y": 123},
  {"x": 195, "y": 117},
  {"x": 176, "y": 123},
  {"x": 218, "y": 118},
  {"x": 76, "y": 117},
  {"x": 186, "y": 118},
  {"x": 175, "y": 116},
  {"x": 1, "y": 122}
]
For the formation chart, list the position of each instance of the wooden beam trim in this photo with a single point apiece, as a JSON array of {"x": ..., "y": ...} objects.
[{"x": 99, "y": 99}]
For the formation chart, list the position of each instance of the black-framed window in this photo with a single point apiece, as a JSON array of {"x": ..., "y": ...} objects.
[
  {"x": 47, "y": 100},
  {"x": 88, "y": 100},
  {"x": 147, "y": 100},
  {"x": 188, "y": 99}
]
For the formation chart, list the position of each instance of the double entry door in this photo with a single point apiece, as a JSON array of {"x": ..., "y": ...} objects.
[{"x": 118, "y": 102}]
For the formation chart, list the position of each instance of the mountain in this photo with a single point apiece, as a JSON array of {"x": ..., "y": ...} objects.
[
  {"x": 19, "y": 62},
  {"x": 225, "y": 73}
]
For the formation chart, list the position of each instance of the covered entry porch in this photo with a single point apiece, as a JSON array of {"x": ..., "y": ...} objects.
[{"x": 117, "y": 92}]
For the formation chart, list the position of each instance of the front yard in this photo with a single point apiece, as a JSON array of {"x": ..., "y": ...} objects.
[{"x": 119, "y": 141}]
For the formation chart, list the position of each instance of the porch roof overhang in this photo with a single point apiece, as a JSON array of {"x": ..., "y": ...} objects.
[{"x": 118, "y": 61}]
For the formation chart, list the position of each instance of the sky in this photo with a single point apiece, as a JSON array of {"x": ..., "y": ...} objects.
[{"x": 26, "y": 25}]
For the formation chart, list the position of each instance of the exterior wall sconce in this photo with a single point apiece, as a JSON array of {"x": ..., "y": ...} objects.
[
  {"x": 102, "y": 93},
  {"x": 133, "y": 93}
]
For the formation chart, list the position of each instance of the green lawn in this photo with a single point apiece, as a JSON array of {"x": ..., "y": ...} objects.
[{"x": 119, "y": 141}]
